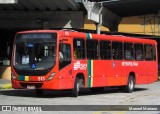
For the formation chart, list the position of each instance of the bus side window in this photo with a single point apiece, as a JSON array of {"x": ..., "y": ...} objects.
[
  {"x": 128, "y": 55},
  {"x": 138, "y": 52},
  {"x": 105, "y": 49},
  {"x": 128, "y": 51},
  {"x": 92, "y": 49},
  {"x": 64, "y": 55},
  {"x": 79, "y": 48},
  {"x": 154, "y": 53},
  {"x": 148, "y": 52},
  {"x": 117, "y": 50}
]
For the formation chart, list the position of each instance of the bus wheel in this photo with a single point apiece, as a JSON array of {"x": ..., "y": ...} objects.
[
  {"x": 75, "y": 90},
  {"x": 39, "y": 92},
  {"x": 130, "y": 85}
]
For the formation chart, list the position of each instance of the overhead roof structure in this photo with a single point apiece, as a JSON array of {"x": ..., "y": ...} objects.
[
  {"x": 41, "y": 5},
  {"x": 40, "y": 14},
  {"x": 70, "y": 13},
  {"x": 123, "y": 8},
  {"x": 126, "y": 8}
]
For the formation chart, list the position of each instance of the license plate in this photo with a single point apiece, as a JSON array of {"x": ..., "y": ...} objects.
[{"x": 30, "y": 87}]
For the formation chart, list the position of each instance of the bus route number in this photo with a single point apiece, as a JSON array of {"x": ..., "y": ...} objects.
[{"x": 41, "y": 78}]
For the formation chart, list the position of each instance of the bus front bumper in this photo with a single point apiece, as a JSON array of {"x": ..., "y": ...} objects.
[{"x": 54, "y": 84}]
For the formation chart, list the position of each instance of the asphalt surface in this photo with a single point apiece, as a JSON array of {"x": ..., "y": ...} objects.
[{"x": 143, "y": 95}]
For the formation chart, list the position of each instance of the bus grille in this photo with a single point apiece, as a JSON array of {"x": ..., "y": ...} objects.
[{"x": 31, "y": 73}]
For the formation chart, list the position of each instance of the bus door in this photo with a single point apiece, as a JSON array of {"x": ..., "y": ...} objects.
[
  {"x": 117, "y": 55},
  {"x": 65, "y": 66}
]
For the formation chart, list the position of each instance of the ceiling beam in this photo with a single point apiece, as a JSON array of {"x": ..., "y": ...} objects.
[
  {"x": 41, "y": 20},
  {"x": 8, "y": 1}
]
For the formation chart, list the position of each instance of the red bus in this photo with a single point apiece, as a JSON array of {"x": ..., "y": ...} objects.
[{"x": 60, "y": 59}]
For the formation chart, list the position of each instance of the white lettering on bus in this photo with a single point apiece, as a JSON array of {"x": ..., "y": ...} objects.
[
  {"x": 40, "y": 78},
  {"x": 80, "y": 66},
  {"x": 129, "y": 63}
]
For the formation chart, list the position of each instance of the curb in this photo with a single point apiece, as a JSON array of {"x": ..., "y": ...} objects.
[{"x": 6, "y": 86}]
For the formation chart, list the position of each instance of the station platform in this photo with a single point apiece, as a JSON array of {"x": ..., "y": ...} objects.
[
  {"x": 5, "y": 84},
  {"x": 5, "y": 77}
]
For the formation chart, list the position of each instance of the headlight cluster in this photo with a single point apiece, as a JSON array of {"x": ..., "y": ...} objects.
[
  {"x": 13, "y": 76},
  {"x": 51, "y": 76}
]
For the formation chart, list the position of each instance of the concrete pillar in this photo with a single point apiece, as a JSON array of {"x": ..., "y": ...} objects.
[{"x": 102, "y": 16}]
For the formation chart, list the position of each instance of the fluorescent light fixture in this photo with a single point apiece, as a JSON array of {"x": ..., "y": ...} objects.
[{"x": 8, "y": 1}]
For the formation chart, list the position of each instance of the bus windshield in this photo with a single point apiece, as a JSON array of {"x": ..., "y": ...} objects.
[{"x": 35, "y": 51}]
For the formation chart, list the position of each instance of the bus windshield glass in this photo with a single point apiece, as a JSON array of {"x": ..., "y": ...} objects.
[{"x": 35, "y": 51}]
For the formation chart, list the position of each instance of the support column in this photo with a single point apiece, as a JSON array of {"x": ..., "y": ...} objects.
[
  {"x": 98, "y": 25},
  {"x": 94, "y": 13},
  {"x": 102, "y": 16}
]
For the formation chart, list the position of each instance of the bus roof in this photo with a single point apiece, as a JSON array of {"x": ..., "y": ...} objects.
[{"x": 76, "y": 34}]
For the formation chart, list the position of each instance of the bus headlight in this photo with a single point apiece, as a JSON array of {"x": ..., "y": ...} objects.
[
  {"x": 13, "y": 76},
  {"x": 51, "y": 76}
]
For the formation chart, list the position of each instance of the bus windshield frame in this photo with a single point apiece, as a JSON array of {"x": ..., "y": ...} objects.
[{"x": 34, "y": 52}]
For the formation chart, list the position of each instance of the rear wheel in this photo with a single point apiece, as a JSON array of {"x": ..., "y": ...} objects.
[
  {"x": 39, "y": 92},
  {"x": 75, "y": 90},
  {"x": 130, "y": 85}
]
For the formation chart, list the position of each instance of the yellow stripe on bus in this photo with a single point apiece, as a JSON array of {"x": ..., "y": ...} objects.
[{"x": 26, "y": 78}]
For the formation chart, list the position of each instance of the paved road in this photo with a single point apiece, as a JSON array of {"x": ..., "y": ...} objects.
[{"x": 143, "y": 95}]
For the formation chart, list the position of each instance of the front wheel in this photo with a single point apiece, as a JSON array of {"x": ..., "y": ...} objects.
[
  {"x": 75, "y": 90},
  {"x": 130, "y": 85}
]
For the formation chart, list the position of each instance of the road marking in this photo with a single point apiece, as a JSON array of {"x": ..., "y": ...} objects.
[{"x": 110, "y": 112}]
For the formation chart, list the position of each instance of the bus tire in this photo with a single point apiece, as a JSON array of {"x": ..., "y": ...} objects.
[
  {"x": 39, "y": 92},
  {"x": 75, "y": 90},
  {"x": 130, "y": 85}
]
